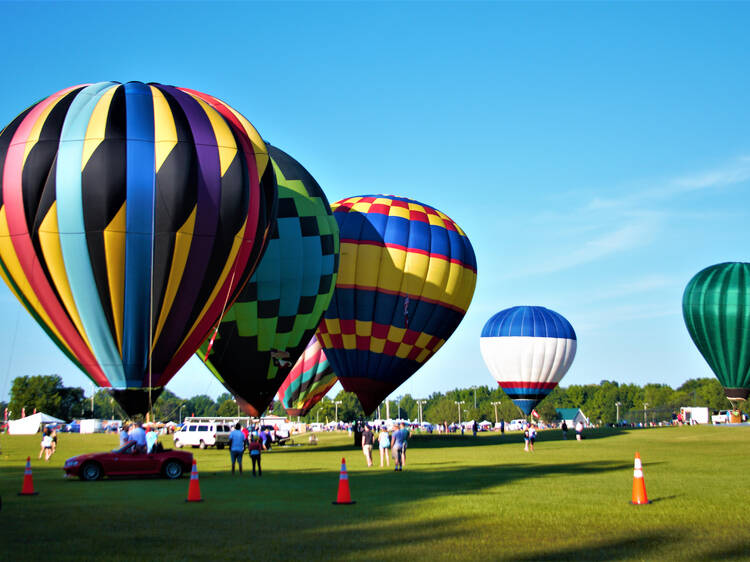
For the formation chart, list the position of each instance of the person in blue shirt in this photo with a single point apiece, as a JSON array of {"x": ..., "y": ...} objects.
[
  {"x": 399, "y": 446},
  {"x": 237, "y": 442}
]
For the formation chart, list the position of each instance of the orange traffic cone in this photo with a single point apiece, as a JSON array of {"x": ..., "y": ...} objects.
[
  {"x": 639, "y": 486},
  {"x": 343, "y": 498},
  {"x": 194, "y": 490},
  {"x": 28, "y": 481}
]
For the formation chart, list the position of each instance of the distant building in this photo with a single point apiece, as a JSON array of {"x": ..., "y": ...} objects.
[{"x": 571, "y": 416}]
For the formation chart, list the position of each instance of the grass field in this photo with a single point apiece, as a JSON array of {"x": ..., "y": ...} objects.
[{"x": 459, "y": 497}]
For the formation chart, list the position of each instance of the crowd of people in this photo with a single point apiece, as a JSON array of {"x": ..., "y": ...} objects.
[
  {"x": 143, "y": 439},
  {"x": 393, "y": 442}
]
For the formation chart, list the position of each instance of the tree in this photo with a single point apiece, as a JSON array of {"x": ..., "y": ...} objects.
[
  {"x": 444, "y": 409},
  {"x": 47, "y": 394},
  {"x": 227, "y": 408},
  {"x": 200, "y": 406}
]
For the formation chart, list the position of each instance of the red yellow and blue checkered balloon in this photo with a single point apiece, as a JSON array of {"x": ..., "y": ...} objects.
[{"x": 407, "y": 274}]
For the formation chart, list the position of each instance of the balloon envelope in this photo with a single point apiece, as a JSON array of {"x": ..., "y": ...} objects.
[
  {"x": 406, "y": 278},
  {"x": 716, "y": 309},
  {"x": 129, "y": 215},
  {"x": 528, "y": 349},
  {"x": 308, "y": 382},
  {"x": 262, "y": 335}
]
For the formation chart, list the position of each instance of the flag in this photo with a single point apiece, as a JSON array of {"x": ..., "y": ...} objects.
[{"x": 535, "y": 413}]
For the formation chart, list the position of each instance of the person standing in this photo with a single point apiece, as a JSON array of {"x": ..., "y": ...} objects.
[
  {"x": 46, "y": 445},
  {"x": 384, "y": 443},
  {"x": 367, "y": 443},
  {"x": 124, "y": 437},
  {"x": 526, "y": 438},
  {"x": 397, "y": 449},
  {"x": 254, "y": 448},
  {"x": 502, "y": 427},
  {"x": 151, "y": 439},
  {"x": 532, "y": 437},
  {"x": 579, "y": 430},
  {"x": 236, "y": 446},
  {"x": 564, "y": 428},
  {"x": 138, "y": 434},
  {"x": 474, "y": 428},
  {"x": 53, "y": 435}
]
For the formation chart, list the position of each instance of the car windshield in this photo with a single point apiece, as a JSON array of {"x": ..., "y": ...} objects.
[{"x": 127, "y": 449}]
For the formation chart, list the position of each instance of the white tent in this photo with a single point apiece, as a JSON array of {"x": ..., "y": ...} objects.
[
  {"x": 30, "y": 424},
  {"x": 485, "y": 423}
]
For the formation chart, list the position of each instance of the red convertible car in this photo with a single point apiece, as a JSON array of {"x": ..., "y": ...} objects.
[{"x": 126, "y": 461}]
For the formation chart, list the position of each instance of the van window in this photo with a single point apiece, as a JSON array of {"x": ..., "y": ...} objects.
[
  {"x": 191, "y": 428},
  {"x": 202, "y": 428}
]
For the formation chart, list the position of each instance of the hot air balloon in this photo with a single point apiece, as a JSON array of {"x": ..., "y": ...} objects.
[
  {"x": 130, "y": 216},
  {"x": 716, "y": 308},
  {"x": 308, "y": 382},
  {"x": 406, "y": 278},
  {"x": 262, "y": 335},
  {"x": 528, "y": 349}
]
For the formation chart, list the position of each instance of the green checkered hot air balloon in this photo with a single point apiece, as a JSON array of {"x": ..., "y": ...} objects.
[
  {"x": 716, "y": 307},
  {"x": 264, "y": 332}
]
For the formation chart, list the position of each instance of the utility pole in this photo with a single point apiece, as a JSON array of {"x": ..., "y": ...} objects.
[
  {"x": 387, "y": 408},
  {"x": 475, "y": 396},
  {"x": 645, "y": 420},
  {"x": 618, "y": 404},
  {"x": 458, "y": 403},
  {"x": 495, "y": 404},
  {"x": 337, "y": 402},
  {"x": 419, "y": 403}
]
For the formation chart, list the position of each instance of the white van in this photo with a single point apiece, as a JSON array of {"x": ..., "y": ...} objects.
[{"x": 203, "y": 432}]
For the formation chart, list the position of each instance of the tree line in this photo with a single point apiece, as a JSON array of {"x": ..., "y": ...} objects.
[{"x": 601, "y": 403}]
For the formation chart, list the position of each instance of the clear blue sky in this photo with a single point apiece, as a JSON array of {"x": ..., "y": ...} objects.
[{"x": 597, "y": 154}]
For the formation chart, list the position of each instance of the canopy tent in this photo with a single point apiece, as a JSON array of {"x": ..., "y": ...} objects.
[
  {"x": 485, "y": 423},
  {"x": 30, "y": 424}
]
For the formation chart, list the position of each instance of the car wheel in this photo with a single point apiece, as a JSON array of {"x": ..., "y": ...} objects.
[
  {"x": 172, "y": 469},
  {"x": 202, "y": 444},
  {"x": 91, "y": 471},
  {"x": 177, "y": 444}
]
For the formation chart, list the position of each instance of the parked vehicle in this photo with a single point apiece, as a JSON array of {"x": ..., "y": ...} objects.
[
  {"x": 203, "y": 432},
  {"x": 125, "y": 461}
]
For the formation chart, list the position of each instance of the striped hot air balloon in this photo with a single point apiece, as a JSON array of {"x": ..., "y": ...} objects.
[
  {"x": 528, "y": 349},
  {"x": 406, "y": 278},
  {"x": 263, "y": 334},
  {"x": 308, "y": 382},
  {"x": 716, "y": 308},
  {"x": 130, "y": 215}
]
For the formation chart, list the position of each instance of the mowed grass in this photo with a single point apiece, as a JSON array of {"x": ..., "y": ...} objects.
[{"x": 459, "y": 497}]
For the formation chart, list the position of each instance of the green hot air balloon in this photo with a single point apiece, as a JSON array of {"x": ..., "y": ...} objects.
[
  {"x": 716, "y": 307},
  {"x": 264, "y": 332}
]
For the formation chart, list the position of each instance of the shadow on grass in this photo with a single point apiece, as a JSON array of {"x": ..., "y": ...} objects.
[
  {"x": 639, "y": 546},
  {"x": 439, "y": 440}
]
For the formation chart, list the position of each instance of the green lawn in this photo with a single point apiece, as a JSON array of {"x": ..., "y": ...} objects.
[{"x": 462, "y": 498}]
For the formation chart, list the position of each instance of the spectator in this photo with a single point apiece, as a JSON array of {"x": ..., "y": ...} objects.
[
  {"x": 138, "y": 434},
  {"x": 254, "y": 448},
  {"x": 124, "y": 437},
  {"x": 46, "y": 445},
  {"x": 384, "y": 443},
  {"x": 367, "y": 438},
  {"x": 579, "y": 430},
  {"x": 564, "y": 428},
  {"x": 151, "y": 439},
  {"x": 399, "y": 446}
]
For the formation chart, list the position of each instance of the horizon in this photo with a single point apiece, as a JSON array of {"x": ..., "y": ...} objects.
[{"x": 596, "y": 155}]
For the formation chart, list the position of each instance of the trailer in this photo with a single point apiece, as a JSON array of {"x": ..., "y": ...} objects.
[{"x": 694, "y": 415}]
